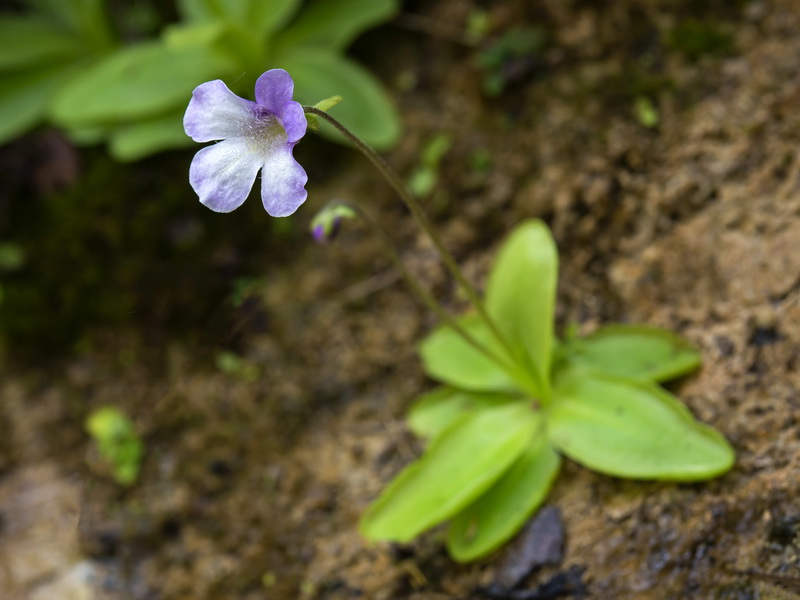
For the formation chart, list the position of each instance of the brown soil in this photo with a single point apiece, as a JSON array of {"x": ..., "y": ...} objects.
[{"x": 252, "y": 486}]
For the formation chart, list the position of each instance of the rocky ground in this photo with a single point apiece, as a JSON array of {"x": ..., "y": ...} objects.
[{"x": 254, "y": 478}]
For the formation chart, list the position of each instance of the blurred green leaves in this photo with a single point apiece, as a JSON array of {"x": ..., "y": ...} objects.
[
  {"x": 61, "y": 63},
  {"x": 41, "y": 52}
]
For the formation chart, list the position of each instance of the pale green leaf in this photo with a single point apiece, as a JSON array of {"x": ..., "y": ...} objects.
[
  {"x": 457, "y": 467},
  {"x": 28, "y": 41},
  {"x": 137, "y": 82},
  {"x": 448, "y": 357},
  {"x": 365, "y": 108},
  {"x": 521, "y": 293},
  {"x": 265, "y": 17},
  {"x": 87, "y": 136},
  {"x": 259, "y": 16},
  {"x": 498, "y": 514},
  {"x": 78, "y": 15},
  {"x": 633, "y": 351},
  {"x": 328, "y": 103},
  {"x": 336, "y": 24},
  {"x": 24, "y": 97},
  {"x": 184, "y": 35},
  {"x": 143, "y": 138},
  {"x": 434, "y": 412},
  {"x": 200, "y": 10},
  {"x": 633, "y": 429}
]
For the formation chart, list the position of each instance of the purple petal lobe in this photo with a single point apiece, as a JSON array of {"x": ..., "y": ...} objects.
[
  {"x": 216, "y": 113},
  {"x": 273, "y": 90},
  {"x": 283, "y": 182},
  {"x": 223, "y": 174},
  {"x": 294, "y": 121}
]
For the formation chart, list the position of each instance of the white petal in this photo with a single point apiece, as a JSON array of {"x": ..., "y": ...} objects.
[
  {"x": 283, "y": 182},
  {"x": 216, "y": 113},
  {"x": 223, "y": 174}
]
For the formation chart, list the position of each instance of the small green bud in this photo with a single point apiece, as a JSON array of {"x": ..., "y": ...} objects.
[{"x": 325, "y": 225}]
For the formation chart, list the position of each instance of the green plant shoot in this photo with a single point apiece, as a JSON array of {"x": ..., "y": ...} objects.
[
  {"x": 117, "y": 443},
  {"x": 498, "y": 427}
]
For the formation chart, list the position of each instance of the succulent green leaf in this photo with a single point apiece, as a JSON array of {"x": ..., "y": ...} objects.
[
  {"x": 260, "y": 16},
  {"x": 521, "y": 293},
  {"x": 29, "y": 41},
  {"x": 191, "y": 34},
  {"x": 365, "y": 108},
  {"x": 446, "y": 356},
  {"x": 137, "y": 82},
  {"x": 198, "y": 10},
  {"x": 87, "y": 136},
  {"x": 335, "y": 24},
  {"x": 633, "y": 351},
  {"x": 148, "y": 136},
  {"x": 84, "y": 16},
  {"x": 63, "y": 12},
  {"x": 434, "y": 412},
  {"x": 498, "y": 514},
  {"x": 263, "y": 17},
  {"x": 24, "y": 97},
  {"x": 456, "y": 468},
  {"x": 634, "y": 429}
]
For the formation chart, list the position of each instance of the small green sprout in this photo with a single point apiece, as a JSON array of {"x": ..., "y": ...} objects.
[
  {"x": 477, "y": 24},
  {"x": 511, "y": 57},
  {"x": 235, "y": 366},
  {"x": 646, "y": 112},
  {"x": 117, "y": 443},
  {"x": 12, "y": 257},
  {"x": 697, "y": 38},
  {"x": 499, "y": 425},
  {"x": 425, "y": 176}
]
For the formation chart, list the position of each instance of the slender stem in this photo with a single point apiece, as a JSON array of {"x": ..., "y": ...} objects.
[
  {"x": 416, "y": 210},
  {"x": 420, "y": 292}
]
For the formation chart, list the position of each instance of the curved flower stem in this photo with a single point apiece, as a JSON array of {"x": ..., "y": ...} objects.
[
  {"x": 422, "y": 220},
  {"x": 421, "y": 293}
]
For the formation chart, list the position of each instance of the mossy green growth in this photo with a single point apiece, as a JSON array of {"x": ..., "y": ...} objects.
[{"x": 697, "y": 38}]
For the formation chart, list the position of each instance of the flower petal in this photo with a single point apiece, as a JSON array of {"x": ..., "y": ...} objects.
[
  {"x": 223, "y": 174},
  {"x": 273, "y": 90},
  {"x": 283, "y": 182},
  {"x": 216, "y": 113},
  {"x": 294, "y": 121}
]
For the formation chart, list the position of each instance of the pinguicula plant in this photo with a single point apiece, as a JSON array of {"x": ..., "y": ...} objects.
[{"x": 514, "y": 398}]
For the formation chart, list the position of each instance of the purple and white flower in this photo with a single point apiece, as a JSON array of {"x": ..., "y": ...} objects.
[{"x": 255, "y": 136}]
